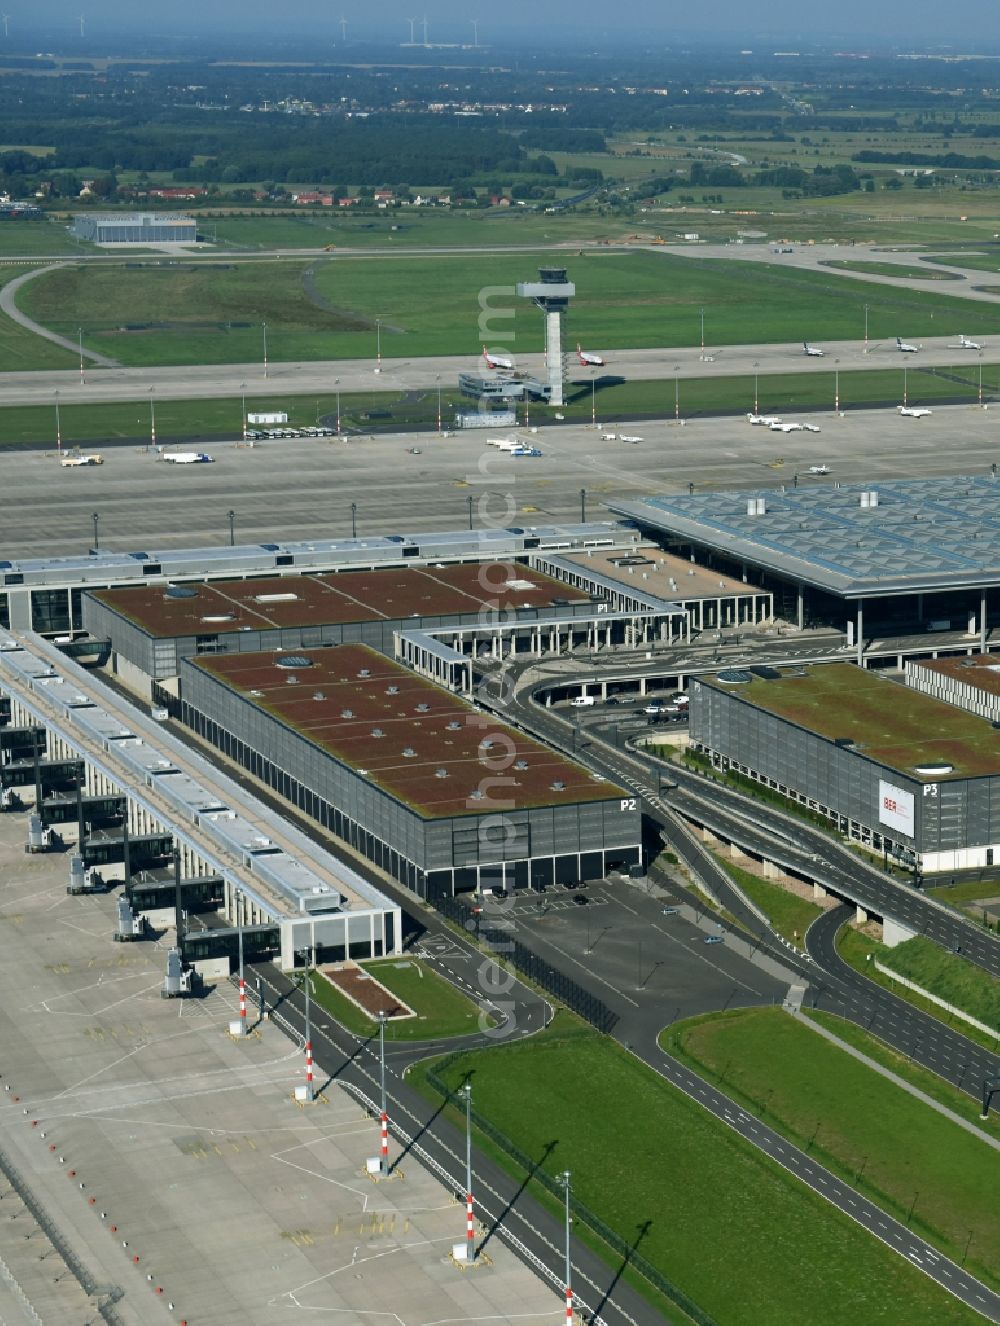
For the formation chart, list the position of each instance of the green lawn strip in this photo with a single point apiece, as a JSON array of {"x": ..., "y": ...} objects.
[
  {"x": 976, "y": 262},
  {"x": 949, "y": 976},
  {"x": 897, "y": 269},
  {"x": 856, "y": 948},
  {"x": 944, "y": 1092},
  {"x": 441, "y": 1009},
  {"x": 960, "y": 896},
  {"x": 742, "y": 1237},
  {"x": 789, "y": 914},
  {"x": 854, "y": 1121},
  {"x": 177, "y": 313},
  {"x": 28, "y": 238}
]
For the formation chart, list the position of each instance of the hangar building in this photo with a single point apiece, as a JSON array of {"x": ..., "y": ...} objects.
[
  {"x": 900, "y": 772},
  {"x": 135, "y": 228},
  {"x": 443, "y": 797}
]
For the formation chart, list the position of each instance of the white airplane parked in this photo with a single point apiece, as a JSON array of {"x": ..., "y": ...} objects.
[
  {"x": 813, "y": 351},
  {"x": 504, "y": 443},
  {"x": 497, "y": 361},
  {"x": 588, "y": 358},
  {"x": 913, "y": 411},
  {"x": 766, "y": 419},
  {"x": 631, "y": 437},
  {"x": 905, "y": 347},
  {"x": 819, "y": 469},
  {"x": 187, "y": 457},
  {"x": 965, "y": 344}
]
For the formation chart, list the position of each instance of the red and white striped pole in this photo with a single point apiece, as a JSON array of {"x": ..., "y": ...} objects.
[
  {"x": 470, "y": 1229},
  {"x": 309, "y": 1069},
  {"x": 243, "y": 1006},
  {"x": 385, "y": 1143},
  {"x": 569, "y": 1306},
  {"x": 569, "y": 1268}
]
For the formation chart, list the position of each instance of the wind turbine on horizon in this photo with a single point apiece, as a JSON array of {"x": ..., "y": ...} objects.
[
  {"x": 343, "y": 31},
  {"x": 83, "y": 27},
  {"x": 425, "y": 29},
  {"x": 5, "y": 18},
  {"x": 475, "y": 31},
  {"x": 412, "y": 22}
]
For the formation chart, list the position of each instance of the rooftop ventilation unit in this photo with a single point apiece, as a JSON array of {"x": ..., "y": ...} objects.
[
  {"x": 256, "y": 693},
  {"x": 409, "y": 753},
  {"x": 868, "y": 499},
  {"x": 180, "y": 592},
  {"x": 364, "y": 672},
  {"x": 423, "y": 707},
  {"x": 454, "y": 725},
  {"x": 378, "y": 732},
  {"x": 291, "y": 680},
  {"x": 347, "y": 713},
  {"x": 756, "y": 506},
  {"x": 275, "y": 598},
  {"x": 392, "y": 690},
  {"x": 520, "y": 764},
  {"x": 440, "y": 773},
  {"x": 319, "y": 695},
  {"x": 476, "y": 794},
  {"x": 558, "y": 785}
]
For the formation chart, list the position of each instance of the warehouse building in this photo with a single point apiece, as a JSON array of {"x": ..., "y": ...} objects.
[
  {"x": 442, "y": 796},
  {"x": 900, "y": 772},
  {"x": 135, "y": 228},
  {"x": 153, "y": 627},
  {"x": 915, "y": 554}
]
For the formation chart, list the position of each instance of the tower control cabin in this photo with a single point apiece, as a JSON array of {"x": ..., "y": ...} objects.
[{"x": 552, "y": 293}]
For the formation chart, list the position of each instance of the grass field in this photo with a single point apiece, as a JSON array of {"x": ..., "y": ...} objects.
[
  {"x": 434, "y": 304},
  {"x": 790, "y": 915},
  {"x": 20, "y": 348},
  {"x": 854, "y": 1121},
  {"x": 441, "y": 1009},
  {"x": 948, "y": 976},
  {"x": 976, "y": 262},
  {"x": 744, "y": 1239},
  {"x": 856, "y": 948},
  {"x": 25, "y": 239},
  {"x": 900, "y": 271}
]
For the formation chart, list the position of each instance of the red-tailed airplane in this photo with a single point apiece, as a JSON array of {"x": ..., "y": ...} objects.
[
  {"x": 589, "y": 359},
  {"x": 497, "y": 361}
]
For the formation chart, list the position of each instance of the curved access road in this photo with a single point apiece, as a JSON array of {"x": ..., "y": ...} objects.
[{"x": 8, "y": 305}]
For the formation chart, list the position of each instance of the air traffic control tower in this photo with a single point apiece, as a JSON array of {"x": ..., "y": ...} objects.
[{"x": 552, "y": 293}]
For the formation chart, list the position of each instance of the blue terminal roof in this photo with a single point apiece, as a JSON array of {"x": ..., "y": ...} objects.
[{"x": 924, "y": 534}]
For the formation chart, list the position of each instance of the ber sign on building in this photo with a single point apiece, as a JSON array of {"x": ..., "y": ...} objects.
[{"x": 895, "y": 808}]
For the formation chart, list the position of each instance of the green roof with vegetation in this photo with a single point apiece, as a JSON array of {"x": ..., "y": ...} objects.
[{"x": 891, "y": 724}]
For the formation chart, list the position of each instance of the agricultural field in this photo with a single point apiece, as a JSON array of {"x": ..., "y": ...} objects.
[
  {"x": 178, "y": 313},
  {"x": 741, "y": 1237},
  {"x": 869, "y": 1131}
]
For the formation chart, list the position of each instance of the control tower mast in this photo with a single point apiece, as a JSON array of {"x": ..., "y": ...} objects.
[{"x": 552, "y": 293}]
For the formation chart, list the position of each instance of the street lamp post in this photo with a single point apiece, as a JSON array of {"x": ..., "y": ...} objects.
[
  {"x": 756, "y": 398},
  {"x": 308, "y": 1045},
  {"x": 232, "y": 528},
  {"x": 569, "y": 1271},
  {"x": 384, "y": 1115},
  {"x": 152, "y": 419},
  {"x": 470, "y": 501},
  {"x": 243, "y": 404},
  {"x": 58, "y": 425},
  {"x": 677, "y": 394},
  {"x": 470, "y": 1228},
  {"x": 243, "y": 984},
  {"x": 80, "y": 338},
  {"x": 980, "y": 377},
  {"x": 593, "y": 400},
  {"x": 354, "y": 520},
  {"x": 866, "y": 329},
  {"x": 703, "y": 333},
  {"x": 264, "y": 329},
  {"x": 378, "y": 345},
  {"x": 904, "y": 385},
  {"x": 583, "y": 506},
  {"x": 836, "y": 386},
  {"x": 336, "y": 384},
  {"x": 438, "y": 381},
  {"x": 97, "y": 520}
]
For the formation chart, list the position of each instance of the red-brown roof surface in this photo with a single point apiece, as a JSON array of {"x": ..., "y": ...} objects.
[
  {"x": 337, "y": 598},
  {"x": 339, "y": 710}
]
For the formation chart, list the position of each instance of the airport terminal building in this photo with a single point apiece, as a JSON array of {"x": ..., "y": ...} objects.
[
  {"x": 898, "y": 771},
  {"x": 441, "y": 796}
]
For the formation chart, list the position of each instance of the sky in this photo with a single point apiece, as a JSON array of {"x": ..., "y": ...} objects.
[{"x": 963, "y": 24}]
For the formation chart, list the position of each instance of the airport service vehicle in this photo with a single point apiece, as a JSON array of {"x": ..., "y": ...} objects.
[
  {"x": 497, "y": 361},
  {"x": 779, "y": 427},
  {"x": 414, "y": 451},
  {"x": 187, "y": 457},
  {"x": 819, "y": 469},
  {"x": 764, "y": 419},
  {"x": 72, "y": 462},
  {"x": 609, "y": 437},
  {"x": 631, "y": 437},
  {"x": 583, "y": 701},
  {"x": 905, "y": 347},
  {"x": 813, "y": 351},
  {"x": 588, "y": 358},
  {"x": 525, "y": 451},
  {"x": 963, "y": 343},
  {"x": 913, "y": 411},
  {"x": 810, "y": 428},
  {"x": 504, "y": 443}
]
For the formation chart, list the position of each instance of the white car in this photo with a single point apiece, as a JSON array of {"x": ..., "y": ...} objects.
[
  {"x": 631, "y": 437},
  {"x": 819, "y": 469},
  {"x": 188, "y": 457},
  {"x": 913, "y": 411},
  {"x": 94, "y": 458}
]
